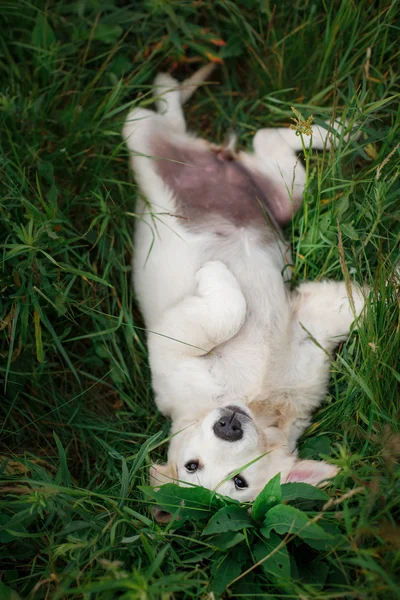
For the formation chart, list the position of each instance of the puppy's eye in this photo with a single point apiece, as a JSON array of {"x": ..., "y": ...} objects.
[
  {"x": 192, "y": 466},
  {"x": 240, "y": 483}
]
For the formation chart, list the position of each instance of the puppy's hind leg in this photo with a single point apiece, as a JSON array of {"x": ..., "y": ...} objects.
[
  {"x": 326, "y": 310},
  {"x": 167, "y": 93},
  {"x": 279, "y": 153},
  {"x": 321, "y": 317},
  {"x": 141, "y": 131},
  {"x": 171, "y": 95},
  {"x": 141, "y": 123},
  {"x": 144, "y": 127},
  {"x": 280, "y": 173},
  {"x": 277, "y": 172}
]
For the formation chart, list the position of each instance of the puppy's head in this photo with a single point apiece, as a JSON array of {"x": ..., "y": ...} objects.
[{"x": 225, "y": 451}]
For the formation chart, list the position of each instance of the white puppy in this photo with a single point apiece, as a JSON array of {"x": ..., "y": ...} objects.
[{"x": 238, "y": 361}]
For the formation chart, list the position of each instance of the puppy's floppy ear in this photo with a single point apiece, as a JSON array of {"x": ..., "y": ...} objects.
[
  {"x": 160, "y": 474},
  {"x": 314, "y": 472}
]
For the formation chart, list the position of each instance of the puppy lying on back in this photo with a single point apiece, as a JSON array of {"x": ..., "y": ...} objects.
[{"x": 233, "y": 351}]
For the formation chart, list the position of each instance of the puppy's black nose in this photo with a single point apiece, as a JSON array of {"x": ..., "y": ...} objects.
[{"x": 228, "y": 428}]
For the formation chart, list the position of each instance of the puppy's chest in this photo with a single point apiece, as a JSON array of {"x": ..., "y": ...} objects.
[
  {"x": 243, "y": 366},
  {"x": 240, "y": 367}
]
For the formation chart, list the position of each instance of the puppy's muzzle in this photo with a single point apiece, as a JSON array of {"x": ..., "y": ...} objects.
[{"x": 229, "y": 425}]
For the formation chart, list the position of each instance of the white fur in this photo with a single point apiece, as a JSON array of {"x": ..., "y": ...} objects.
[{"x": 223, "y": 327}]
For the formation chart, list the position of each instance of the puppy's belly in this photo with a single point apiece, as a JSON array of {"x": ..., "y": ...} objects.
[{"x": 212, "y": 182}]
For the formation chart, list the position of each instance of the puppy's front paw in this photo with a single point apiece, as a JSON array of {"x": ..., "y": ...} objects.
[
  {"x": 223, "y": 301},
  {"x": 213, "y": 275}
]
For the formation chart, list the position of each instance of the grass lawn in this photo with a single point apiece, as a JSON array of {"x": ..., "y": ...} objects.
[{"x": 78, "y": 426}]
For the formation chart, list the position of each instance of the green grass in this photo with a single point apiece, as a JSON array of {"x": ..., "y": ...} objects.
[{"x": 78, "y": 423}]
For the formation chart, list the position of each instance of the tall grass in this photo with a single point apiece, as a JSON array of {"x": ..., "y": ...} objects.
[{"x": 77, "y": 420}]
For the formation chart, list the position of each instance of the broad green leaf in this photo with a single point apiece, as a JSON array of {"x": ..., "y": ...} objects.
[
  {"x": 108, "y": 34},
  {"x": 227, "y": 570},
  {"x": 349, "y": 231},
  {"x": 314, "y": 574},
  {"x": 6, "y": 593},
  {"x": 194, "y": 503},
  {"x": 228, "y": 518},
  {"x": 121, "y": 65},
  {"x": 233, "y": 48},
  {"x": 324, "y": 222},
  {"x": 305, "y": 491},
  {"x": 331, "y": 529},
  {"x": 228, "y": 539},
  {"x": 46, "y": 170},
  {"x": 315, "y": 446},
  {"x": 279, "y": 562},
  {"x": 267, "y": 498},
  {"x": 287, "y": 519},
  {"x": 199, "y": 556},
  {"x": 42, "y": 34}
]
